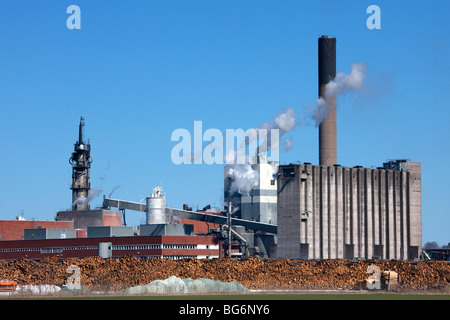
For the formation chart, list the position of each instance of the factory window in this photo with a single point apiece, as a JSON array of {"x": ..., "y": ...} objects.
[
  {"x": 288, "y": 172},
  {"x": 177, "y": 257},
  {"x": 19, "y": 250},
  {"x": 179, "y": 246},
  {"x": 137, "y": 247},
  {"x": 51, "y": 250},
  {"x": 272, "y": 182},
  {"x": 81, "y": 248}
]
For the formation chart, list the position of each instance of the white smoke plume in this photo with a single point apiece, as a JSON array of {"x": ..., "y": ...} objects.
[
  {"x": 288, "y": 144},
  {"x": 234, "y": 208},
  {"x": 243, "y": 177},
  {"x": 93, "y": 193},
  {"x": 342, "y": 83},
  {"x": 215, "y": 210},
  {"x": 285, "y": 122}
]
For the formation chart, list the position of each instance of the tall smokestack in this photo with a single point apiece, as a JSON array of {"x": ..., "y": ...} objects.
[{"x": 327, "y": 128}]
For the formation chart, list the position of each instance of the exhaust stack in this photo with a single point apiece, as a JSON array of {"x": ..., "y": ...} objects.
[{"x": 327, "y": 128}]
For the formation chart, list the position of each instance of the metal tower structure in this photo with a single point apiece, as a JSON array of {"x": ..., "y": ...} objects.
[{"x": 80, "y": 160}]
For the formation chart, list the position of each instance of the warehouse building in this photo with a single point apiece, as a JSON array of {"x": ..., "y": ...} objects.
[
  {"x": 174, "y": 247},
  {"x": 327, "y": 211}
]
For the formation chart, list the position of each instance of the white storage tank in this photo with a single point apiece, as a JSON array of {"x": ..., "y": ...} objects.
[
  {"x": 105, "y": 249},
  {"x": 156, "y": 207}
]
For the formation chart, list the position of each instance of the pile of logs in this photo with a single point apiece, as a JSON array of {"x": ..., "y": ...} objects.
[{"x": 253, "y": 273}]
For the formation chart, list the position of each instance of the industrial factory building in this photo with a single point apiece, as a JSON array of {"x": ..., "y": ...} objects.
[
  {"x": 301, "y": 211},
  {"x": 260, "y": 204},
  {"x": 14, "y": 229},
  {"x": 82, "y": 231},
  {"x": 81, "y": 213},
  {"x": 329, "y": 211},
  {"x": 173, "y": 247}
]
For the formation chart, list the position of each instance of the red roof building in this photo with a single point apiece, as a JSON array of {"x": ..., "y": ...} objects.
[{"x": 14, "y": 229}]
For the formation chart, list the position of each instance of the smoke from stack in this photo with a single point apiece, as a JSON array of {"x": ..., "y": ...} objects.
[
  {"x": 342, "y": 84},
  {"x": 330, "y": 85},
  {"x": 243, "y": 177},
  {"x": 92, "y": 194},
  {"x": 285, "y": 122},
  {"x": 327, "y": 127}
]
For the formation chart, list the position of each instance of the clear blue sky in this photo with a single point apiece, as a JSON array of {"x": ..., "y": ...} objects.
[{"x": 138, "y": 70}]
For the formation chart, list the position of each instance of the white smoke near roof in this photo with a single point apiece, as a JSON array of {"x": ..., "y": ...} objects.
[
  {"x": 215, "y": 210},
  {"x": 234, "y": 208},
  {"x": 93, "y": 193},
  {"x": 243, "y": 177},
  {"x": 341, "y": 84}
]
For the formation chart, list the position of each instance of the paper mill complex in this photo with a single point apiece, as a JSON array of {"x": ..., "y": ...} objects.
[{"x": 300, "y": 210}]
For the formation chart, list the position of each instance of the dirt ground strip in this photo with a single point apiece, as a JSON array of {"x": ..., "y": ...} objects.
[{"x": 117, "y": 273}]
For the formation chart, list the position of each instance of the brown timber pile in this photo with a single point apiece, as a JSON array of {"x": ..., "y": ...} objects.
[{"x": 253, "y": 273}]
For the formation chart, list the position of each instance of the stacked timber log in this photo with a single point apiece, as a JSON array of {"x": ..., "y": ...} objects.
[{"x": 253, "y": 273}]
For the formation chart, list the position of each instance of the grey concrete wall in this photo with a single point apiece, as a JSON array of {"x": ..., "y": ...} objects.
[
  {"x": 327, "y": 212},
  {"x": 100, "y": 232},
  {"x": 289, "y": 216}
]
